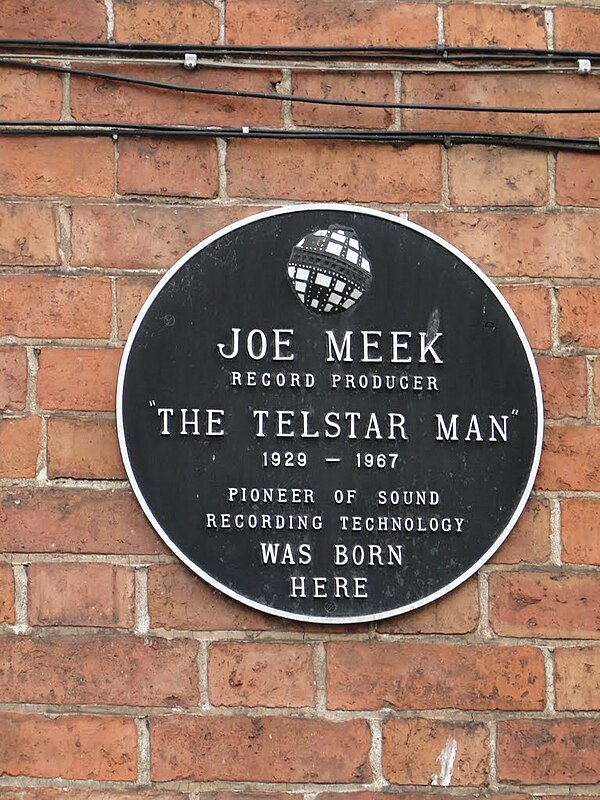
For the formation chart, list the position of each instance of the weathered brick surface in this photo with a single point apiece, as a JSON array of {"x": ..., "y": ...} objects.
[
  {"x": 7, "y": 594},
  {"x": 578, "y": 525},
  {"x": 338, "y": 172},
  {"x": 529, "y": 540},
  {"x": 90, "y": 594},
  {"x": 36, "y": 306},
  {"x": 75, "y": 747},
  {"x": 531, "y": 305},
  {"x": 90, "y": 794},
  {"x": 260, "y": 749},
  {"x": 527, "y": 245},
  {"x": 579, "y": 322},
  {"x": 96, "y": 100},
  {"x": 577, "y": 671},
  {"x": 415, "y": 750},
  {"x": 500, "y": 91},
  {"x": 406, "y": 676},
  {"x": 570, "y": 459},
  {"x": 168, "y": 167},
  {"x": 577, "y": 178},
  {"x": 41, "y": 166},
  {"x": 496, "y": 176},
  {"x": 576, "y": 28},
  {"x": 83, "y": 448},
  {"x": 470, "y": 25},
  {"x": 28, "y": 235},
  {"x": 61, "y": 520},
  {"x": 272, "y": 675},
  {"x": 374, "y": 87},
  {"x": 322, "y": 23},
  {"x": 71, "y": 379},
  {"x": 132, "y": 293},
  {"x": 144, "y": 237},
  {"x": 549, "y": 751},
  {"x": 83, "y": 20},
  {"x": 172, "y": 21},
  {"x": 457, "y": 612},
  {"x": 98, "y": 670},
  {"x": 19, "y": 447},
  {"x": 564, "y": 386},
  {"x": 43, "y": 90},
  {"x": 545, "y": 605},
  {"x": 13, "y": 378},
  {"x": 178, "y": 599}
]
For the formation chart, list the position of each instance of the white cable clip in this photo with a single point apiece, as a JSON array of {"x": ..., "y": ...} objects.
[
  {"x": 190, "y": 61},
  {"x": 245, "y": 129},
  {"x": 584, "y": 66}
]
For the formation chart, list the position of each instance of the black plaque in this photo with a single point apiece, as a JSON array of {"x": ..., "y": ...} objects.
[{"x": 329, "y": 413}]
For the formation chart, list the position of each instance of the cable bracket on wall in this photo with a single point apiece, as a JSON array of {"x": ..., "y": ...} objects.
[
  {"x": 190, "y": 61},
  {"x": 584, "y": 66}
]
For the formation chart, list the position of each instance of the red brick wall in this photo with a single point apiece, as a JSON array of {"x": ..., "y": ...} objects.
[{"x": 122, "y": 675}]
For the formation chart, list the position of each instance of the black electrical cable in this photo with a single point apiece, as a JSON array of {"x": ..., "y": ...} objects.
[
  {"x": 177, "y": 87},
  {"x": 446, "y": 138},
  {"x": 438, "y": 52}
]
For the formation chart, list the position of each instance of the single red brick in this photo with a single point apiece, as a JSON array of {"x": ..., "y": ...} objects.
[
  {"x": 371, "y": 87},
  {"x": 538, "y": 751},
  {"x": 90, "y": 594},
  {"x": 255, "y": 674},
  {"x": 578, "y": 523},
  {"x": 48, "y": 306},
  {"x": 340, "y": 171},
  {"x": 456, "y": 612},
  {"x": 168, "y": 167},
  {"x": 79, "y": 20},
  {"x": 564, "y": 386},
  {"x": 166, "y": 21},
  {"x": 323, "y": 22},
  {"x": 529, "y": 541},
  {"x": 28, "y": 235},
  {"x": 144, "y": 237},
  {"x": 178, "y": 599},
  {"x": 94, "y": 794},
  {"x": 374, "y": 675},
  {"x": 570, "y": 459},
  {"x": 13, "y": 378},
  {"x": 497, "y": 176},
  {"x": 75, "y": 521},
  {"x": 407, "y": 795},
  {"x": 131, "y": 296},
  {"x": 262, "y": 749},
  {"x": 47, "y": 166},
  {"x": 577, "y": 671},
  {"x": 77, "y": 379},
  {"x": 576, "y": 28},
  {"x": 104, "y": 100},
  {"x": 42, "y": 90},
  {"x": 500, "y": 90},
  {"x": 7, "y": 594},
  {"x": 579, "y": 321},
  {"x": 73, "y": 747},
  {"x": 545, "y": 605},
  {"x": 577, "y": 179},
  {"x": 470, "y": 25},
  {"x": 83, "y": 448},
  {"x": 421, "y": 751},
  {"x": 531, "y": 305},
  {"x": 99, "y": 670},
  {"x": 541, "y": 245},
  {"x": 19, "y": 447}
]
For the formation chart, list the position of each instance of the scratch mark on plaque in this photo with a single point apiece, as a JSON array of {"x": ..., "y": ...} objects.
[{"x": 446, "y": 760}]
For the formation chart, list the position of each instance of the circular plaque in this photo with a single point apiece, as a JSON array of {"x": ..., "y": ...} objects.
[{"x": 329, "y": 413}]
